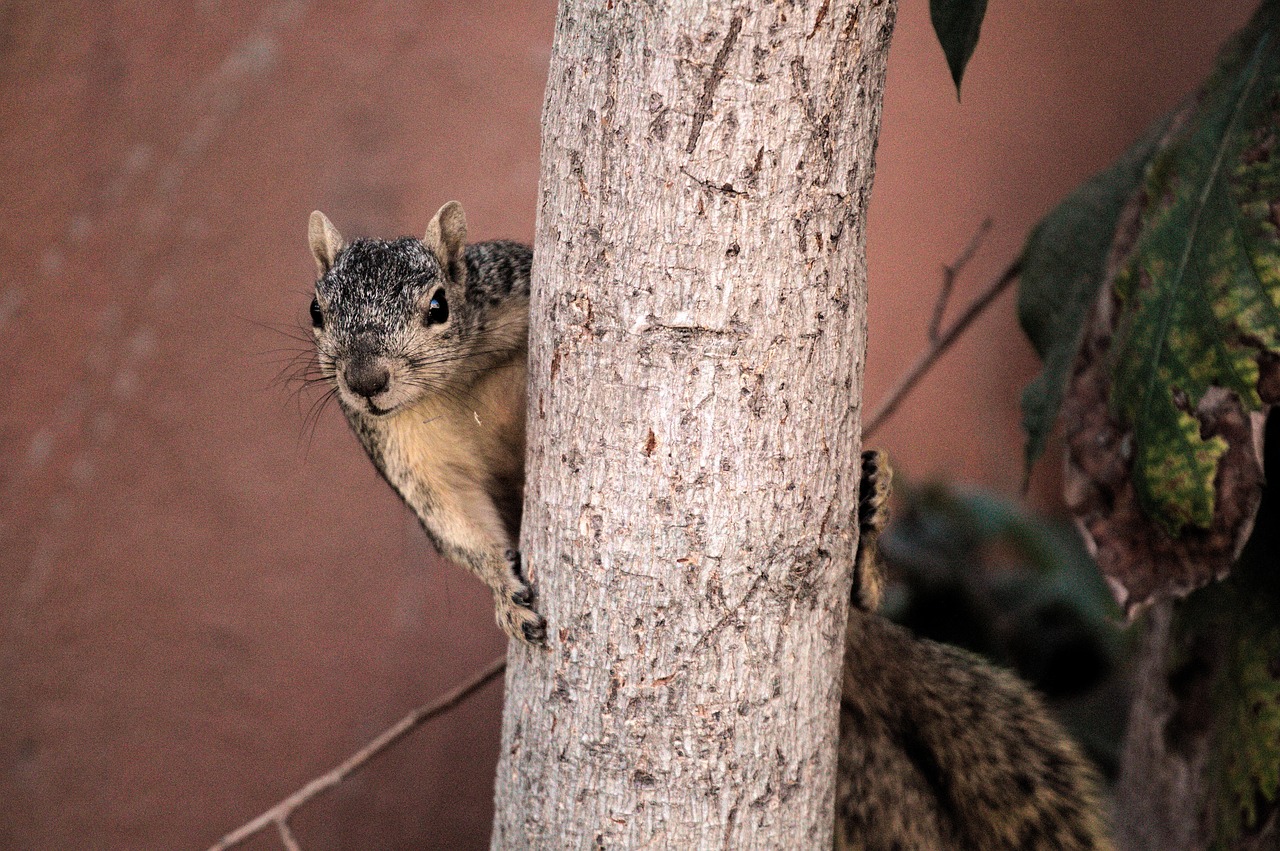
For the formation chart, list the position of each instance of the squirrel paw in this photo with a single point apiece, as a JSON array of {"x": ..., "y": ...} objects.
[
  {"x": 516, "y": 615},
  {"x": 873, "y": 515},
  {"x": 523, "y": 594},
  {"x": 515, "y": 562},
  {"x": 873, "y": 492},
  {"x": 535, "y": 632},
  {"x": 521, "y": 622}
]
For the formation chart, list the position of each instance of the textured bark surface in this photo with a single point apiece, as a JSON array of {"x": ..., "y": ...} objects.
[{"x": 696, "y": 367}]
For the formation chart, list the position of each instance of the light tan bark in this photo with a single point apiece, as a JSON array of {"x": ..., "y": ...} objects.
[{"x": 696, "y": 363}]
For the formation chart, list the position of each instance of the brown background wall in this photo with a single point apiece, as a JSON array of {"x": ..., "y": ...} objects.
[{"x": 206, "y": 599}]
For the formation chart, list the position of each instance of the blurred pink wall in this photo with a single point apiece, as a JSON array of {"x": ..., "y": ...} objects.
[
  {"x": 205, "y": 600},
  {"x": 1056, "y": 90}
]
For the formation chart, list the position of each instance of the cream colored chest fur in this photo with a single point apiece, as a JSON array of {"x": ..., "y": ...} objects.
[{"x": 449, "y": 453}]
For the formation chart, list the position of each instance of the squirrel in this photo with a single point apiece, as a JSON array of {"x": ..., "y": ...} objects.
[
  {"x": 425, "y": 344},
  {"x": 938, "y": 747}
]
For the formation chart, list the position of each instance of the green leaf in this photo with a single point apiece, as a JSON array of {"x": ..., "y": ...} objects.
[
  {"x": 1199, "y": 296},
  {"x": 1063, "y": 264},
  {"x": 1247, "y": 761},
  {"x": 957, "y": 23}
]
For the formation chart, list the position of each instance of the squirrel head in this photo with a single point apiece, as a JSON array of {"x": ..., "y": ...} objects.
[{"x": 391, "y": 319}]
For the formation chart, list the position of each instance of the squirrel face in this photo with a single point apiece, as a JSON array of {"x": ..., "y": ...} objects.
[{"x": 390, "y": 318}]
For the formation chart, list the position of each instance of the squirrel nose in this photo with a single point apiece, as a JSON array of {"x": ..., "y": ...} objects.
[{"x": 367, "y": 379}]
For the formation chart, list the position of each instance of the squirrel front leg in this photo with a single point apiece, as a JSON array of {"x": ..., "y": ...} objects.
[{"x": 468, "y": 529}]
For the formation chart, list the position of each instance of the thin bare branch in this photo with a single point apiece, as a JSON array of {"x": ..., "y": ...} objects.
[
  {"x": 286, "y": 835},
  {"x": 280, "y": 813},
  {"x": 938, "y": 346},
  {"x": 949, "y": 275}
]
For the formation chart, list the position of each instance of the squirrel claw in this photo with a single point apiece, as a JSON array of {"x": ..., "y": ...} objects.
[
  {"x": 535, "y": 632},
  {"x": 515, "y": 562},
  {"x": 518, "y": 619}
]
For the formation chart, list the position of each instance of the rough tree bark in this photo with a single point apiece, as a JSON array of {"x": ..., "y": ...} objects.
[{"x": 696, "y": 373}]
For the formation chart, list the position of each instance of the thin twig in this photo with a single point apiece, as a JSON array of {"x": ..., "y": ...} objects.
[
  {"x": 938, "y": 346},
  {"x": 286, "y": 835},
  {"x": 949, "y": 275},
  {"x": 280, "y": 813}
]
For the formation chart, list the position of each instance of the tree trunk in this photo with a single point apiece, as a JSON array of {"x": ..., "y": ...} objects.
[{"x": 696, "y": 363}]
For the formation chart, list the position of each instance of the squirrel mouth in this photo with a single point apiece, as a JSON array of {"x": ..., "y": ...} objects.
[{"x": 375, "y": 410}]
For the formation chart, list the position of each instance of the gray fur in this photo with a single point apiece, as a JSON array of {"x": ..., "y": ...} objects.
[{"x": 374, "y": 295}]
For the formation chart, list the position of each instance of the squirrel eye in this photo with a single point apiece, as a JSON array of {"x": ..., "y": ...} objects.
[
  {"x": 317, "y": 316},
  {"x": 438, "y": 309}
]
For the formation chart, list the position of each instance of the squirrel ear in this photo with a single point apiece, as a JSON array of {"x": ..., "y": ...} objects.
[
  {"x": 325, "y": 241},
  {"x": 447, "y": 234}
]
